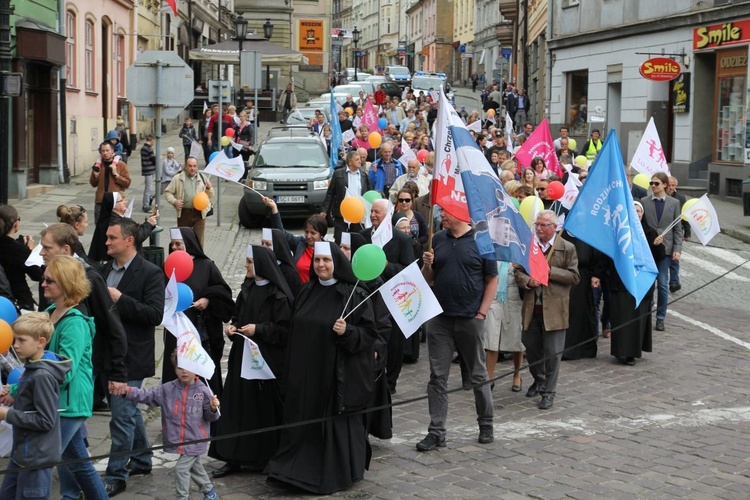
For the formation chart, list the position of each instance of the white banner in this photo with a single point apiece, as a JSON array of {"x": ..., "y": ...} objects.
[
  {"x": 475, "y": 126},
  {"x": 196, "y": 150},
  {"x": 384, "y": 232},
  {"x": 254, "y": 367},
  {"x": 348, "y": 136},
  {"x": 129, "y": 212},
  {"x": 410, "y": 300},
  {"x": 703, "y": 219},
  {"x": 170, "y": 303},
  {"x": 191, "y": 355},
  {"x": 571, "y": 193},
  {"x": 508, "y": 132},
  {"x": 231, "y": 169},
  {"x": 649, "y": 157}
]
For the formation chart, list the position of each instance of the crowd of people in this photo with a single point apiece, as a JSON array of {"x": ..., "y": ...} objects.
[{"x": 335, "y": 352}]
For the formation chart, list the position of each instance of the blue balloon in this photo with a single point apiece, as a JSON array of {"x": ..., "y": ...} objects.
[
  {"x": 8, "y": 311},
  {"x": 382, "y": 123},
  {"x": 212, "y": 156},
  {"x": 15, "y": 375},
  {"x": 184, "y": 297},
  {"x": 50, "y": 355}
]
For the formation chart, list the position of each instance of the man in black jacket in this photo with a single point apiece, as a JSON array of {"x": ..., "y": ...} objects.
[
  {"x": 110, "y": 344},
  {"x": 351, "y": 181},
  {"x": 137, "y": 289}
]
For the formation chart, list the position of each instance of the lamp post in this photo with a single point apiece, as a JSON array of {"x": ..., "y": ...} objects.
[
  {"x": 240, "y": 31},
  {"x": 268, "y": 33},
  {"x": 355, "y": 39},
  {"x": 341, "y": 50}
]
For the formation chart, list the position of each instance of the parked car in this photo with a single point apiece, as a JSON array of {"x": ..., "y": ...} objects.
[
  {"x": 423, "y": 81},
  {"x": 361, "y": 75},
  {"x": 398, "y": 74},
  {"x": 291, "y": 166}
]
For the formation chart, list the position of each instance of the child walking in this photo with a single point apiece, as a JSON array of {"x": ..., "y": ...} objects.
[
  {"x": 187, "y": 409},
  {"x": 34, "y": 416}
]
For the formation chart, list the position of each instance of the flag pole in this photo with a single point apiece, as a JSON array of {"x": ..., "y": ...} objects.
[
  {"x": 368, "y": 297},
  {"x": 431, "y": 226},
  {"x": 350, "y": 296},
  {"x": 212, "y": 392},
  {"x": 673, "y": 224}
]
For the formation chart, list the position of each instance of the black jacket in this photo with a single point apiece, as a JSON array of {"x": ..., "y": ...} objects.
[
  {"x": 148, "y": 160},
  {"x": 337, "y": 190},
  {"x": 13, "y": 255},
  {"x": 141, "y": 309}
]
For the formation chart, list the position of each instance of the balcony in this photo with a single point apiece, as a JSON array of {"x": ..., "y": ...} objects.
[
  {"x": 504, "y": 33},
  {"x": 509, "y": 9}
]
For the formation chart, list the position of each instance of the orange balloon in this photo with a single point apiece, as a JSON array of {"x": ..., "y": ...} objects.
[
  {"x": 6, "y": 336},
  {"x": 352, "y": 209},
  {"x": 490, "y": 112},
  {"x": 375, "y": 139},
  {"x": 200, "y": 201}
]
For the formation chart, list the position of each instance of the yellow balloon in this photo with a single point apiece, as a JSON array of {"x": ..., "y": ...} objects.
[
  {"x": 375, "y": 139},
  {"x": 572, "y": 144},
  {"x": 687, "y": 205},
  {"x": 200, "y": 201},
  {"x": 641, "y": 180},
  {"x": 225, "y": 141},
  {"x": 352, "y": 209},
  {"x": 580, "y": 161},
  {"x": 349, "y": 111},
  {"x": 490, "y": 112},
  {"x": 530, "y": 207}
]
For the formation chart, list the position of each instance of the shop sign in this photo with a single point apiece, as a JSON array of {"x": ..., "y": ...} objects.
[
  {"x": 311, "y": 43},
  {"x": 660, "y": 69},
  {"x": 681, "y": 94},
  {"x": 721, "y": 35}
]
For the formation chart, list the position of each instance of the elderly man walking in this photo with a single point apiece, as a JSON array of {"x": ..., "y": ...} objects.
[
  {"x": 182, "y": 191},
  {"x": 545, "y": 308}
]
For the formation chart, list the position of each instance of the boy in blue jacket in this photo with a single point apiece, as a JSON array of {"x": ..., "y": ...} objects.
[
  {"x": 187, "y": 409},
  {"x": 34, "y": 416}
]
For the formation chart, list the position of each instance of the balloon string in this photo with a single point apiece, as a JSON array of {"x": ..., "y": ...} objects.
[{"x": 350, "y": 298}]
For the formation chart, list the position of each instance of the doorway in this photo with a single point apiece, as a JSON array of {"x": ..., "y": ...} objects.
[{"x": 614, "y": 107}]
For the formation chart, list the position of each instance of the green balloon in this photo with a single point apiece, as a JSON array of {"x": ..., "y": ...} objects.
[
  {"x": 368, "y": 262},
  {"x": 516, "y": 203},
  {"x": 371, "y": 196}
]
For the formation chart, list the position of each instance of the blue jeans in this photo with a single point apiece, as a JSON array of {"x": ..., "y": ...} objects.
[
  {"x": 19, "y": 483},
  {"x": 82, "y": 476},
  {"x": 674, "y": 272},
  {"x": 128, "y": 432},
  {"x": 662, "y": 286}
]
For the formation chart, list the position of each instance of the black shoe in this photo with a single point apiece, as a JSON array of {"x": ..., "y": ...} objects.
[
  {"x": 137, "y": 471},
  {"x": 430, "y": 442},
  {"x": 517, "y": 388},
  {"x": 115, "y": 488},
  {"x": 533, "y": 390},
  {"x": 485, "y": 434},
  {"x": 630, "y": 361},
  {"x": 546, "y": 402},
  {"x": 659, "y": 325},
  {"x": 226, "y": 470},
  {"x": 675, "y": 287}
]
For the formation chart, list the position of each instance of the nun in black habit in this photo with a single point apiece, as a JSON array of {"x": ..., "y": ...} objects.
[
  {"x": 379, "y": 422},
  {"x": 114, "y": 206},
  {"x": 262, "y": 313},
  {"x": 212, "y": 305},
  {"x": 329, "y": 373},
  {"x": 275, "y": 240}
]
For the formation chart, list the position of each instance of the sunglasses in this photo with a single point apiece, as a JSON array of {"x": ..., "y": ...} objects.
[
  {"x": 655, "y": 183},
  {"x": 541, "y": 189},
  {"x": 404, "y": 200},
  {"x": 48, "y": 281}
]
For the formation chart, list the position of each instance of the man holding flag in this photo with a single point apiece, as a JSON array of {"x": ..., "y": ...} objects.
[{"x": 545, "y": 308}]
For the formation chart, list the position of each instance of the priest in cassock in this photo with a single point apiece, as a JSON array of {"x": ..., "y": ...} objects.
[
  {"x": 328, "y": 374},
  {"x": 262, "y": 314}
]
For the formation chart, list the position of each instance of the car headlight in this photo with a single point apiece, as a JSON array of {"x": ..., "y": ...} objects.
[
  {"x": 258, "y": 185},
  {"x": 317, "y": 185}
]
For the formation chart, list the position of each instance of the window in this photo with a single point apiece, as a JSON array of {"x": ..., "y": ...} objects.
[
  {"x": 121, "y": 65},
  {"x": 70, "y": 48},
  {"x": 577, "y": 102},
  {"x": 89, "y": 55}
]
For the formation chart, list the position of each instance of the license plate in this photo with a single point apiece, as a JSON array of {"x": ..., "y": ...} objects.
[{"x": 290, "y": 199}]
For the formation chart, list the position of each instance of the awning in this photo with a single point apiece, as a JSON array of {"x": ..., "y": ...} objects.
[{"x": 228, "y": 52}]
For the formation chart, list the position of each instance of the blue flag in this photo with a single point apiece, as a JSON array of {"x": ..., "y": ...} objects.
[
  {"x": 604, "y": 216},
  {"x": 501, "y": 232},
  {"x": 336, "y": 138}
]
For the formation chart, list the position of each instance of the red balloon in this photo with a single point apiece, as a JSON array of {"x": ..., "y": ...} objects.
[
  {"x": 555, "y": 190},
  {"x": 422, "y": 155},
  {"x": 181, "y": 263},
  {"x": 229, "y": 132}
]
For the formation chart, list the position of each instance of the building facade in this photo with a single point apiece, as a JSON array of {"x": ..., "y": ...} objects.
[
  {"x": 462, "y": 40},
  {"x": 438, "y": 36}
]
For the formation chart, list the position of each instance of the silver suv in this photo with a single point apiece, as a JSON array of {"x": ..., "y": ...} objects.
[{"x": 291, "y": 166}]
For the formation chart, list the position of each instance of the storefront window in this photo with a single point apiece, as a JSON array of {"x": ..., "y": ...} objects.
[
  {"x": 577, "y": 102},
  {"x": 731, "y": 90}
]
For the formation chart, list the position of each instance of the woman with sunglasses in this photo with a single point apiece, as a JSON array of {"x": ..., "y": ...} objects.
[
  {"x": 14, "y": 250},
  {"x": 417, "y": 225},
  {"x": 76, "y": 217}
]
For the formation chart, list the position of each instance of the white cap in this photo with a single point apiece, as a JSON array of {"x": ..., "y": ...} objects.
[
  {"x": 322, "y": 248},
  {"x": 175, "y": 233},
  {"x": 249, "y": 252},
  {"x": 115, "y": 195},
  {"x": 170, "y": 150},
  {"x": 267, "y": 234},
  {"x": 346, "y": 239}
]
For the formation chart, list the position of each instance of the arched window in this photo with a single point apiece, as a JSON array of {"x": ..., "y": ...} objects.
[
  {"x": 70, "y": 48},
  {"x": 89, "y": 55}
]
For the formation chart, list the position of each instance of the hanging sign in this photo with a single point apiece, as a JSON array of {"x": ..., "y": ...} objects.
[{"x": 660, "y": 69}]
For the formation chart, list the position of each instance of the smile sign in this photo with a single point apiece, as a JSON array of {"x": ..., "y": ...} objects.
[{"x": 660, "y": 69}]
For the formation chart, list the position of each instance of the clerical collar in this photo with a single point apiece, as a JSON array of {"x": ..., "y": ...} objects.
[
  {"x": 261, "y": 282},
  {"x": 329, "y": 282}
]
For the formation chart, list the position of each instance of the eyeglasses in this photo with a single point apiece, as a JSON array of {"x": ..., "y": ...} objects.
[
  {"x": 404, "y": 200},
  {"x": 655, "y": 183},
  {"x": 544, "y": 224},
  {"x": 48, "y": 281}
]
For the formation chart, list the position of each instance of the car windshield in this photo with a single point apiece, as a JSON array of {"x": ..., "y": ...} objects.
[
  {"x": 398, "y": 71},
  {"x": 301, "y": 116},
  {"x": 299, "y": 154},
  {"x": 425, "y": 82}
]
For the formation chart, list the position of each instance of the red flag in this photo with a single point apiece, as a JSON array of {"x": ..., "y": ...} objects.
[
  {"x": 173, "y": 5},
  {"x": 540, "y": 143},
  {"x": 538, "y": 262},
  {"x": 447, "y": 187},
  {"x": 370, "y": 117}
]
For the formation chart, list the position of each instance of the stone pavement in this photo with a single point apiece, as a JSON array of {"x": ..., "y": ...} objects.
[{"x": 675, "y": 425}]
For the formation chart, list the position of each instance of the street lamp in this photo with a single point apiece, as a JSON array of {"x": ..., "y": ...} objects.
[
  {"x": 240, "y": 31},
  {"x": 341, "y": 49},
  {"x": 268, "y": 33},
  {"x": 355, "y": 39}
]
